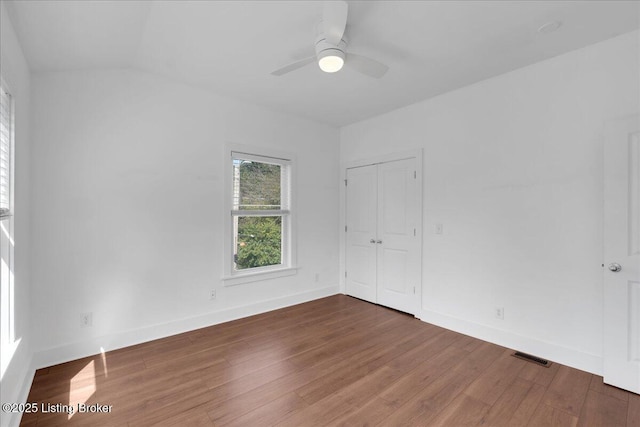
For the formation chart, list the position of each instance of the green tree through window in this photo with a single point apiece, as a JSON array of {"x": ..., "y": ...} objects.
[{"x": 259, "y": 242}]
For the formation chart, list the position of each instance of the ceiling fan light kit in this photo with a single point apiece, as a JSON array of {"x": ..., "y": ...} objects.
[
  {"x": 330, "y": 57},
  {"x": 331, "y": 60},
  {"x": 331, "y": 46}
]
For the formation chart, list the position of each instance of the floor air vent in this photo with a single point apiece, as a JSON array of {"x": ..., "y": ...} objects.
[{"x": 533, "y": 359}]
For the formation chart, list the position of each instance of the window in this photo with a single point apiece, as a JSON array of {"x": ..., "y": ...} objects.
[
  {"x": 5, "y": 152},
  {"x": 8, "y": 341},
  {"x": 261, "y": 218}
]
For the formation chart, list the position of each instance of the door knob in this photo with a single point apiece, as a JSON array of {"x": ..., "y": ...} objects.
[
  {"x": 372, "y": 241},
  {"x": 615, "y": 267},
  {"x": 378, "y": 241}
]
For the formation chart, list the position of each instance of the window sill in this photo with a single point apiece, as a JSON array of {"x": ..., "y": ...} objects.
[{"x": 257, "y": 276}]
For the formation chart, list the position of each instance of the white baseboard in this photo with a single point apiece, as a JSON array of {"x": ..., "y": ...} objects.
[
  {"x": 77, "y": 350},
  {"x": 567, "y": 356},
  {"x": 13, "y": 419}
]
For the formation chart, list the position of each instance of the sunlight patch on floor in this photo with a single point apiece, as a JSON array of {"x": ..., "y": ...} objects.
[
  {"x": 82, "y": 386},
  {"x": 104, "y": 362}
]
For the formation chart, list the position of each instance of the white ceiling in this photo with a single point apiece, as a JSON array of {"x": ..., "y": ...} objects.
[{"x": 231, "y": 47}]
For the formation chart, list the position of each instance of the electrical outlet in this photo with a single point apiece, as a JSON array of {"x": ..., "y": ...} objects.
[
  {"x": 212, "y": 295},
  {"x": 499, "y": 313},
  {"x": 86, "y": 320},
  {"x": 439, "y": 228},
  {"x": 317, "y": 277}
]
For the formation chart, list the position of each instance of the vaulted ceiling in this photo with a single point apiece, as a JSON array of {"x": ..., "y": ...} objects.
[{"x": 231, "y": 47}]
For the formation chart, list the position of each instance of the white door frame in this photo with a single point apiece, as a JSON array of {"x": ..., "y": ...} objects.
[{"x": 417, "y": 155}]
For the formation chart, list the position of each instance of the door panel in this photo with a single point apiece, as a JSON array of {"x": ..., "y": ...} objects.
[
  {"x": 393, "y": 180},
  {"x": 393, "y": 272},
  {"x": 634, "y": 321},
  {"x": 361, "y": 202},
  {"x": 397, "y": 216},
  {"x": 622, "y": 246},
  {"x": 361, "y": 273}
]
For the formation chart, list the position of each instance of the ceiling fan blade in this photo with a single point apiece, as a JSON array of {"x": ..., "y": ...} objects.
[
  {"x": 291, "y": 67},
  {"x": 334, "y": 20},
  {"x": 366, "y": 65}
]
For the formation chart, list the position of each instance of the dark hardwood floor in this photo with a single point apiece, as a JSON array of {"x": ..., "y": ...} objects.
[{"x": 334, "y": 361}]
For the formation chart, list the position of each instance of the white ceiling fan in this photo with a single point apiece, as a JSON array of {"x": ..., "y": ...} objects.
[{"x": 331, "y": 46}]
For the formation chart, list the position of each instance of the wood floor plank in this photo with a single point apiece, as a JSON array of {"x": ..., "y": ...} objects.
[
  {"x": 57, "y": 384},
  {"x": 150, "y": 401},
  {"x": 506, "y": 406},
  {"x": 270, "y": 413},
  {"x": 568, "y": 390},
  {"x": 417, "y": 379},
  {"x": 492, "y": 383},
  {"x": 539, "y": 374},
  {"x": 468, "y": 343},
  {"x": 224, "y": 411},
  {"x": 139, "y": 382},
  {"x": 333, "y": 361},
  {"x": 463, "y": 411},
  {"x": 351, "y": 342},
  {"x": 197, "y": 352},
  {"x": 29, "y": 420},
  {"x": 365, "y": 363},
  {"x": 348, "y": 400},
  {"x": 370, "y": 414},
  {"x": 633, "y": 413},
  {"x": 320, "y": 327},
  {"x": 436, "y": 342},
  {"x": 401, "y": 391},
  {"x": 602, "y": 410},
  {"x": 527, "y": 407},
  {"x": 195, "y": 417},
  {"x": 597, "y": 384},
  {"x": 161, "y": 402},
  {"x": 548, "y": 416},
  {"x": 256, "y": 326},
  {"x": 228, "y": 385},
  {"x": 434, "y": 398},
  {"x": 318, "y": 414}
]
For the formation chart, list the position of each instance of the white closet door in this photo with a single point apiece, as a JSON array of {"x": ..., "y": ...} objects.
[
  {"x": 382, "y": 243},
  {"x": 361, "y": 229},
  {"x": 398, "y": 244},
  {"x": 622, "y": 254}
]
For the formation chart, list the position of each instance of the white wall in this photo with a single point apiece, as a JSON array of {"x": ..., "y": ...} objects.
[
  {"x": 128, "y": 209},
  {"x": 513, "y": 170},
  {"x": 15, "y": 351}
]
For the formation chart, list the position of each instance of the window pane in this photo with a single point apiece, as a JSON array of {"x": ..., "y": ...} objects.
[
  {"x": 5, "y": 152},
  {"x": 256, "y": 186},
  {"x": 258, "y": 241}
]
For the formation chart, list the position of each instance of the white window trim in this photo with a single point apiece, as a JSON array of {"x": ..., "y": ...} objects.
[{"x": 231, "y": 277}]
